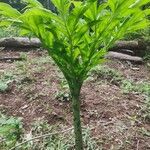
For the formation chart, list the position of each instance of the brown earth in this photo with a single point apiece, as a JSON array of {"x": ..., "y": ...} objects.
[{"x": 115, "y": 116}]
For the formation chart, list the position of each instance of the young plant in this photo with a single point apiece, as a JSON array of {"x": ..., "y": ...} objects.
[{"x": 78, "y": 35}]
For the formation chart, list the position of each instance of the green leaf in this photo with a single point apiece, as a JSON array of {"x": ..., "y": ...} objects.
[
  {"x": 112, "y": 5},
  {"x": 32, "y": 3},
  {"x": 7, "y": 11},
  {"x": 62, "y": 6}
]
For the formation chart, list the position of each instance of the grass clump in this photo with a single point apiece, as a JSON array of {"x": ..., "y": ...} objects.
[
  {"x": 103, "y": 73},
  {"x": 146, "y": 110},
  {"x": 9, "y": 32},
  {"x": 3, "y": 86},
  {"x": 10, "y": 131},
  {"x": 5, "y": 79},
  {"x": 130, "y": 86},
  {"x": 12, "y": 134}
]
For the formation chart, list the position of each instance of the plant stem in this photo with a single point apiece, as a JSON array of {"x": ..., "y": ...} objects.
[{"x": 75, "y": 93}]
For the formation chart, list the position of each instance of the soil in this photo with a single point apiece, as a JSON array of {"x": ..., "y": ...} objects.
[{"x": 115, "y": 117}]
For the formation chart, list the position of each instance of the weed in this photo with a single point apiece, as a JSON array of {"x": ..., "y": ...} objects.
[
  {"x": 38, "y": 69},
  {"x": 62, "y": 96},
  {"x": 89, "y": 142},
  {"x": 63, "y": 93},
  {"x": 41, "y": 60},
  {"x": 9, "y": 32},
  {"x": 35, "y": 65},
  {"x": 146, "y": 110},
  {"x": 143, "y": 88},
  {"x": 10, "y": 131},
  {"x": 130, "y": 86},
  {"x": 145, "y": 132},
  {"x": 127, "y": 86},
  {"x": 8, "y": 76},
  {"x": 64, "y": 141},
  {"x": 5, "y": 79},
  {"x": 115, "y": 77},
  {"x": 23, "y": 56},
  {"x": 3, "y": 86},
  {"x": 21, "y": 67},
  {"x": 105, "y": 73},
  {"x": 41, "y": 126}
]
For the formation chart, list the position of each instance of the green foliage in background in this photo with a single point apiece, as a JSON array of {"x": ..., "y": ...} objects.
[{"x": 78, "y": 38}]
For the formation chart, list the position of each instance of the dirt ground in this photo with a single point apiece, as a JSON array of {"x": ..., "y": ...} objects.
[{"x": 116, "y": 118}]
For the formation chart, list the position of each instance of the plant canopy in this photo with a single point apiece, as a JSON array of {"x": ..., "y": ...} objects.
[{"x": 78, "y": 35}]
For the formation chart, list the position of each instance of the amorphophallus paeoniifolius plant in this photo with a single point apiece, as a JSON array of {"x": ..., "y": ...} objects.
[{"x": 78, "y": 35}]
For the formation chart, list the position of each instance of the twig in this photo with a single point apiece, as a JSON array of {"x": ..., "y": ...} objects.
[
  {"x": 49, "y": 134},
  {"x": 11, "y": 59},
  {"x": 41, "y": 136},
  {"x": 137, "y": 145}
]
